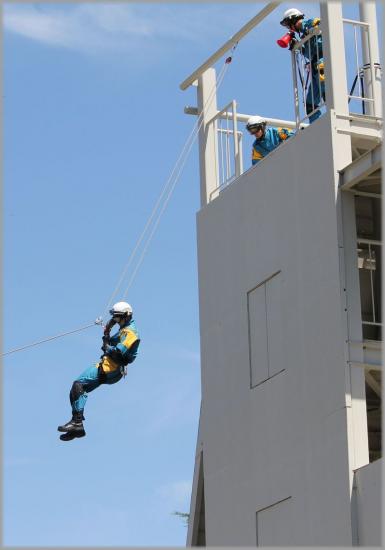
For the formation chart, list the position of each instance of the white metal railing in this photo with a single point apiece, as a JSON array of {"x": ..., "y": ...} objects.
[
  {"x": 369, "y": 259},
  {"x": 228, "y": 169},
  {"x": 230, "y": 154},
  {"x": 229, "y": 160},
  {"x": 308, "y": 77},
  {"x": 361, "y": 72}
]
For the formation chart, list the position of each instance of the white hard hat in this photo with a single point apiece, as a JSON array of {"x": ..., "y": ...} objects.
[
  {"x": 254, "y": 122},
  {"x": 292, "y": 14},
  {"x": 121, "y": 308}
]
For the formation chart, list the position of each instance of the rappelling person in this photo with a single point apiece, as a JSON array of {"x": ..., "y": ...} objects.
[
  {"x": 118, "y": 351},
  {"x": 266, "y": 138},
  {"x": 295, "y": 21}
]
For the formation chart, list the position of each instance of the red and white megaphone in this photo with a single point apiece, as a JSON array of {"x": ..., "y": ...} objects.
[{"x": 285, "y": 40}]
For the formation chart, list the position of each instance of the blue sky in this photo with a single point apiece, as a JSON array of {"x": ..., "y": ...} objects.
[{"x": 93, "y": 124}]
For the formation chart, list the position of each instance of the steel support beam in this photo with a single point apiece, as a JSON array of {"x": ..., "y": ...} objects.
[
  {"x": 334, "y": 53},
  {"x": 208, "y": 148},
  {"x": 371, "y": 58},
  {"x": 276, "y": 122},
  {"x": 359, "y": 169},
  {"x": 229, "y": 44}
]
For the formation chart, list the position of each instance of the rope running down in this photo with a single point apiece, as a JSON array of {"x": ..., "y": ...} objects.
[
  {"x": 169, "y": 188},
  {"x": 98, "y": 321}
]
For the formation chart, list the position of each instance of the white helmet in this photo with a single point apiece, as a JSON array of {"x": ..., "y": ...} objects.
[
  {"x": 255, "y": 123},
  {"x": 291, "y": 16},
  {"x": 121, "y": 309}
]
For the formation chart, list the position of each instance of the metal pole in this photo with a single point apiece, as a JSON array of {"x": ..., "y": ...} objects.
[
  {"x": 227, "y": 150},
  {"x": 334, "y": 55},
  {"x": 295, "y": 90},
  {"x": 371, "y": 56},
  {"x": 222, "y": 176},
  {"x": 237, "y": 166},
  {"x": 240, "y": 155},
  {"x": 241, "y": 117},
  {"x": 233, "y": 40},
  {"x": 208, "y": 151},
  {"x": 371, "y": 258}
]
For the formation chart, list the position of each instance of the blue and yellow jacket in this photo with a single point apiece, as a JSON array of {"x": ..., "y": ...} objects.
[
  {"x": 309, "y": 50},
  {"x": 270, "y": 141},
  {"x": 122, "y": 348}
]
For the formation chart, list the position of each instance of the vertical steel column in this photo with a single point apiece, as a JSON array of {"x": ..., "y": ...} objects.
[
  {"x": 208, "y": 152},
  {"x": 294, "y": 58},
  {"x": 370, "y": 57},
  {"x": 336, "y": 86},
  {"x": 337, "y": 104}
]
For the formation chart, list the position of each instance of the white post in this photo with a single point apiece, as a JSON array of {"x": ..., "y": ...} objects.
[
  {"x": 237, "y": 156},
  {"x": 371, "y": 57},
  {"x": 208, "y": 152},
  {"x": 294, "y": 59},
  {"x": 336, "y": 87},
  {"x": 337, "y": 103}
]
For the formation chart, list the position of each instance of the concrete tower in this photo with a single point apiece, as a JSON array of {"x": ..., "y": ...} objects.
[{"x": 289, "y": 442}]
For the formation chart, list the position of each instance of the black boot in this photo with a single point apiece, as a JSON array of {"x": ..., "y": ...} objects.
[
  {"x": 72, "y": 435},
  {"x": 75, "y": 425}
]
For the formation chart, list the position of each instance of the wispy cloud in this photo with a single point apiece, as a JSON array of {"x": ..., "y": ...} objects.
[
  {"x": 85, "y": 27},
  {"x": 175, "y": 494},
  {"x": 186, "y": 356},
  {"x": 121, "y": 26},
  {"x": 177, "y": 403}
]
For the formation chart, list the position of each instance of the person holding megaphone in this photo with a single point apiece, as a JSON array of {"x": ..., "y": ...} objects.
[{"x": 295, "y": 22}]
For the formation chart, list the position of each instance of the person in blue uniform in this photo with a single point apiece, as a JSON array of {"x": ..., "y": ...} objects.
[
  {"x": 118, "y": 351},
  {"x": 295, "y": 21},
  {"x": 266, "y": 138}
]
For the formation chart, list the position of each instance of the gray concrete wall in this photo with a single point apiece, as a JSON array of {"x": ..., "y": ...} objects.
[
  {"x": 276, "y": 466},
  {"x": 368, "y": 484}
]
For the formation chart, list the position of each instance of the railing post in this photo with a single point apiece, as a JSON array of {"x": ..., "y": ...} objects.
[
  {"x": 371, "y": 58},
  {"x": 295, "y": 87},
  {"x": 208, "y": 152},
  {"x": 240, "y": 149},
  {"x": 336, "y": 87},
  {"x": 237, "y": 158}
]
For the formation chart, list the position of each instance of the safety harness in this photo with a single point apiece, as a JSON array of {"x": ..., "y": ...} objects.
[{"x": 115, "y": 355}]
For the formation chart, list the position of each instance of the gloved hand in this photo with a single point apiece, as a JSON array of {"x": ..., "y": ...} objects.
[
  {"x": 292, "y": 43},
  {"x": 109, "y": 326},
  {"x": 321, "y": 70},
  {"x": 106, "y": 340},
  {"x": 106, "y": 346}
]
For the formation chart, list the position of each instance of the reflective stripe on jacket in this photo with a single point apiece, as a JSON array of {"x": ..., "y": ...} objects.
[{"x": 127, "y": 342}]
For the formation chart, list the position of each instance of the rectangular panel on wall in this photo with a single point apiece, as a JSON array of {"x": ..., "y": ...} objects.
[
  {"x": 274, "y": 324},
  {"x": 275, "y": 524},
  {"x": 264, "y": 305},
  {"x": 256, "y": 305}
]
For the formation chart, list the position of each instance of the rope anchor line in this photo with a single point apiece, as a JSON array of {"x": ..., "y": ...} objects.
[
  {"x": 167, "y": 191},
  {"x": 158, "y": 210},
  {"x": 97, "y": 321}
]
